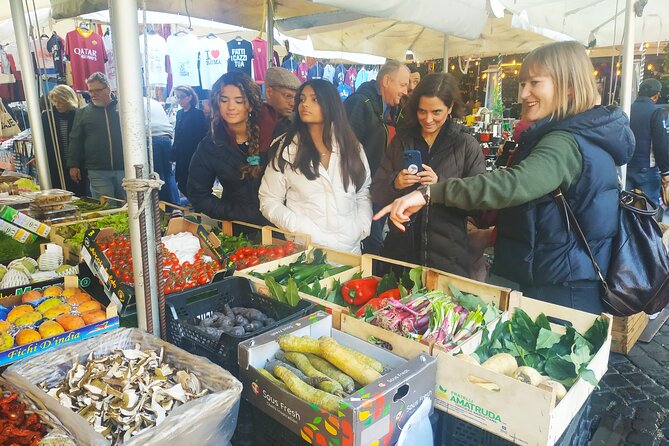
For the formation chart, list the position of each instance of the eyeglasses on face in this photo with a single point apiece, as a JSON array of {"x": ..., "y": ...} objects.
[{"x": 97, "y": 90}]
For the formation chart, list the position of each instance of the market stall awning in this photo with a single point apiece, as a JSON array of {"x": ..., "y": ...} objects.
[{"x": 588, "y": 21}]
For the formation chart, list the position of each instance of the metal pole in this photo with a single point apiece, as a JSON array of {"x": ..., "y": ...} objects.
[
  {"x": 30, "y": 91},
  {"x": 270, "y": 32},
  {"x": 445, "y": 53},
  {"x": 126, "y": 50},
  {"x": 628, "y": 67}
]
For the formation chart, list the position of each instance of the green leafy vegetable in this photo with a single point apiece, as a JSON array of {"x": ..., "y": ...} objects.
[
  {"x": 275, "y": 290},
  {"x": 291, "y": 294}
]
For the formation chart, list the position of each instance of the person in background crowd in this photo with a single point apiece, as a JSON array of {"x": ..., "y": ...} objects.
[
  {"x": 438, "y": 235},
  {"x": 190, "y": 128},
  {"x": 572, "y": 148},
  {"x": 234, "y": 152},
  {"x": 95, "y": 142},
  {"x": 648, "y": 170},
  {"x": 371, "y": 111},
  {"x": 280, "y": 87},
  {"x": 414, "y": 80},
  {"x": 161, "y": 141},
  {"x": 65, "y": 104},
  {"x": 318, "y": 181}
]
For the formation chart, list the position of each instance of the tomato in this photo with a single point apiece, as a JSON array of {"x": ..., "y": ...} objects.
[
  {"x": 241, "y": 256},
  {"x": 279, "y": 251},
  {"x": 248, "y": 251},
  {"x": 261, "y": 251},
  {"x": 201, "y": 280},
  {"x": 289, "y": 247},
  {"x": 252, "y": 261},
  {"x": 234, "y": 257},
  {"x": 168, "y": 289}
]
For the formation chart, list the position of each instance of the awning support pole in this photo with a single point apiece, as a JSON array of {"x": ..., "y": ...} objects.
[{"x": 627, "y": 70}]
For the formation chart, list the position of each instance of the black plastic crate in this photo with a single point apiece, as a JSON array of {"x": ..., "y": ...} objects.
[
  {"x": 255, "y": 428},
  {"x": 203, "y": 301},
  {"x": 455, "y": 432}
]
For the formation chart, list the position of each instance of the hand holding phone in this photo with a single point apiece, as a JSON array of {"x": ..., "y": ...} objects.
[{"x": 413, "y": 161}]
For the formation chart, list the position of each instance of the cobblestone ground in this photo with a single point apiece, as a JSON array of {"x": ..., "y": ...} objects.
[{"x": 632, "y": 404}]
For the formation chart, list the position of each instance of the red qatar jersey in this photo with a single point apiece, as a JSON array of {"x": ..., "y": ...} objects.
[{"x": 86, "y": 53}]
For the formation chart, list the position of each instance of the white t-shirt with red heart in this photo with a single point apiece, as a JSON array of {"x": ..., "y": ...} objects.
[{"x": 213, "y": 60}]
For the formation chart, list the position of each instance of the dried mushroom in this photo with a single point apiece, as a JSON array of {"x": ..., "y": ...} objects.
[{"x": 126, "y": 392}]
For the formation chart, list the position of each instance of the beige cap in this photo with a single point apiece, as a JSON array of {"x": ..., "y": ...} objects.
[{"x": 280, "y": 77}]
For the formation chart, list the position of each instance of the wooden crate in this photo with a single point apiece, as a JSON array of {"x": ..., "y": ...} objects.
[
  {"x": 626, "y": 331},
  {"x": 333, "y": 256},
  {"x": 500, "y": 296},
  {"x": 511, "y": 409}
]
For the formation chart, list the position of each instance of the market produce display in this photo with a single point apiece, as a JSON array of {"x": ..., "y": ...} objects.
[
  {"x": 47, "y": 313},
  {"x": 53, "y": 206},
  {"x": 126, "y": 392},
  {"x": 302, "y": 275},
  {"x": 236, "y": 321},
  {"x": 74, "y": 234},
  {"x": 532, "y": 352},
  {"x": 248, "y": 256},
  {"x": 88, "y": 206},
  {"x": 320, "y": 371},
  {"x": 185, "y": 264},
  {"x": 231, "y": 243},
  {"x": 26, "y": 270}
]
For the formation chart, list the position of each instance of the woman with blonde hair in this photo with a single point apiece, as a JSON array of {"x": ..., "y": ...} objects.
[
  {"x": 57, "y": 122},
  {"x": 572, "y": 148}
]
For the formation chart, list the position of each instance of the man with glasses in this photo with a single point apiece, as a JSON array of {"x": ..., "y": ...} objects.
[
  {"x": 280, "y": 88},
  {"x": 95, "y": 141},
  {"x": 372, "y": 112}
]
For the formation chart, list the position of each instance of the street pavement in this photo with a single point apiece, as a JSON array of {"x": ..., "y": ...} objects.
[{"x": 631, "y": 406}]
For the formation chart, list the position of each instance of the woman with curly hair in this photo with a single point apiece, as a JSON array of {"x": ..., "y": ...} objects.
[
  {"x": 234, "y": 152},
  {"x": 318, "y": 181}
]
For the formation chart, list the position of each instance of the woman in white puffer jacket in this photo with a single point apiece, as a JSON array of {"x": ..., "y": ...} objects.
[{"x": 318, "y": 181}]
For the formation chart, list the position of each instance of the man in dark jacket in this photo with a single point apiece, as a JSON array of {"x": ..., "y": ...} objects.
[
  {"x": 371, "y": 112},
  {"x": 280, "y": 88},
  {"x": 95, "y": 141},
  {"x": 648, "y": 170}
]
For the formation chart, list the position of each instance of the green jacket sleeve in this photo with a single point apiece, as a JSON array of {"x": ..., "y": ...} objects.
[
  {"x": 75, "y": 147},
  {"x": 555, "y": 162}
]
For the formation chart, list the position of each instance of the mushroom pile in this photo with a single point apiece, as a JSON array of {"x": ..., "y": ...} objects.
[{"x": 125, "y": 392}]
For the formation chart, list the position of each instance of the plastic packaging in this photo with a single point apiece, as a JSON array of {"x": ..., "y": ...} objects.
[
  {"x": 49, "y": 196},
  {"x": 209, "y": 420},
  {"x": 417, "y": 429}
]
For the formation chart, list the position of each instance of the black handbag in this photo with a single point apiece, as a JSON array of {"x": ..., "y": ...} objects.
[{"x": 638, "y": 275}]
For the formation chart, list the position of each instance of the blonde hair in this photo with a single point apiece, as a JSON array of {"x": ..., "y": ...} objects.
[
  {"x": 65, "y": 95},
  {"x": 570, "y": 68}
]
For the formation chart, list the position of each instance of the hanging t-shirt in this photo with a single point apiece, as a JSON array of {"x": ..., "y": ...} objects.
[
  {"x": 43, "y": 58},
  {"x": 183, "y": 53},
  {"x": 259, "y": 59},
  {"x": 157, "y": 51},
  {"x": 56, "y": 46},
  {"x": 351, "y": 76},
  {"x": 371, "y": 75},
  {"x": 213, "y": 60},
  {"x": 87, "y": 54},
  {"x": 361, "y": 78},
  {"x": 340, "y": 75},
  {"x": 302, "y": 71},
  {"x": 110, "y": 64},
  {"x": 290, "y": 64},
  {"x": 241, "y": 54},
  {"x": 4, "y": 62},
  {"x": 328, "y": 73},
  {"x": 344, "y": 91},
  {"x": 316, "y": 71}
]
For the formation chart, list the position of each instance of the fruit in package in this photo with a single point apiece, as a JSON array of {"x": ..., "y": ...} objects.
[
  {"x": 89, "y": 305},
  {"x": 49, "y": 304},
  {"x": 53, "y": 291},
  {"x": 6, "y": 341},
  {"x": 26, "y": 336},
  {"x": 94, "y": 316},
  {"x": 31, "y": 296},
  {"x": 28, "y": 319},
  {"x": 48, "y": 329},
  {"x": 18, "y": 311},
  {"x": 78, "y": 298},
  {"x": 70, "y": 322},
  {"x": 56, "y": 311}
]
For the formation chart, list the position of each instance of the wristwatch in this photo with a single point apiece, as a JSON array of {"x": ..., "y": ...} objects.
[{"x": 425, "y": 191}]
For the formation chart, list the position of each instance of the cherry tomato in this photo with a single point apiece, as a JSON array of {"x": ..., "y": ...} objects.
[
  {"x": 289, "y": 247},
  {"x": 234, "y": 257},
  {"x": 261, "y": 251},
  {"x": 279, "y": 251},
  {"x": 252, "y": 261},
  {"x": 248, "y": 251}
]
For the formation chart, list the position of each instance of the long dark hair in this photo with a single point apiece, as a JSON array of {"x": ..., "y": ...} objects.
[
  {"x": 335, "y": 128},
  {"x": 441, "y": 85},
  {"x": 219, "y": 129}
]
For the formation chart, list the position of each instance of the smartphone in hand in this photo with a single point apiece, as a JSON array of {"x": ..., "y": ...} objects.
[{"x": 413, "y": 161}]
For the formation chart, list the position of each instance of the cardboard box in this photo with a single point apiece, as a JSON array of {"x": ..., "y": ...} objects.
[
  {"x": 18, "y": 234},
  {"x": 372, "y": 415},
  {"x": 511, "y": 409},
  {"x": 124, "y": 295},
  {"x": 432, "y": 280},
  {"x": 25, "y": 351},
  {"x": 333, "y": 256},
  {"x": 85, "y": 280}
]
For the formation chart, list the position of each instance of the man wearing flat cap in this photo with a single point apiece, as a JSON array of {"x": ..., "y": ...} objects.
[
  {"x": 280, "y": 88},
  {"x": 648, "y": 170}
]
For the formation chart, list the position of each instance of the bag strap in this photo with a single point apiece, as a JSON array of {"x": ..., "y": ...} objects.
[{"x": 559, "y": 197}]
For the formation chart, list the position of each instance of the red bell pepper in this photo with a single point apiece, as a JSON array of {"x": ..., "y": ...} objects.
[
  {"x": 359, "y": 291},
  {"x": 378, "y": 302}
]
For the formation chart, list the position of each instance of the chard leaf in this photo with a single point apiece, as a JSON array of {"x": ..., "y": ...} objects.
[
  {"x": 542, "y": 322},
  {"x": 318, "y": 257},
  {"x": 416, "y": 276},
  {"x": 275, "y": 290},
  {"x": 524, "y": 330},
  {"x": 388, "y": 282},
  {"x": 356, "y": 276},
  {"x": 589, "y": 376},
  {"x": 403, "y": 291},
  {"x": 291, "y": 296},
  {"x": 547, "y": 339},
  {"x": 560, "y": 368},
  {"x": 535, "y": 361},
  {"x": 580, "y": 352},
  {"x": 597, "y": 334}
]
